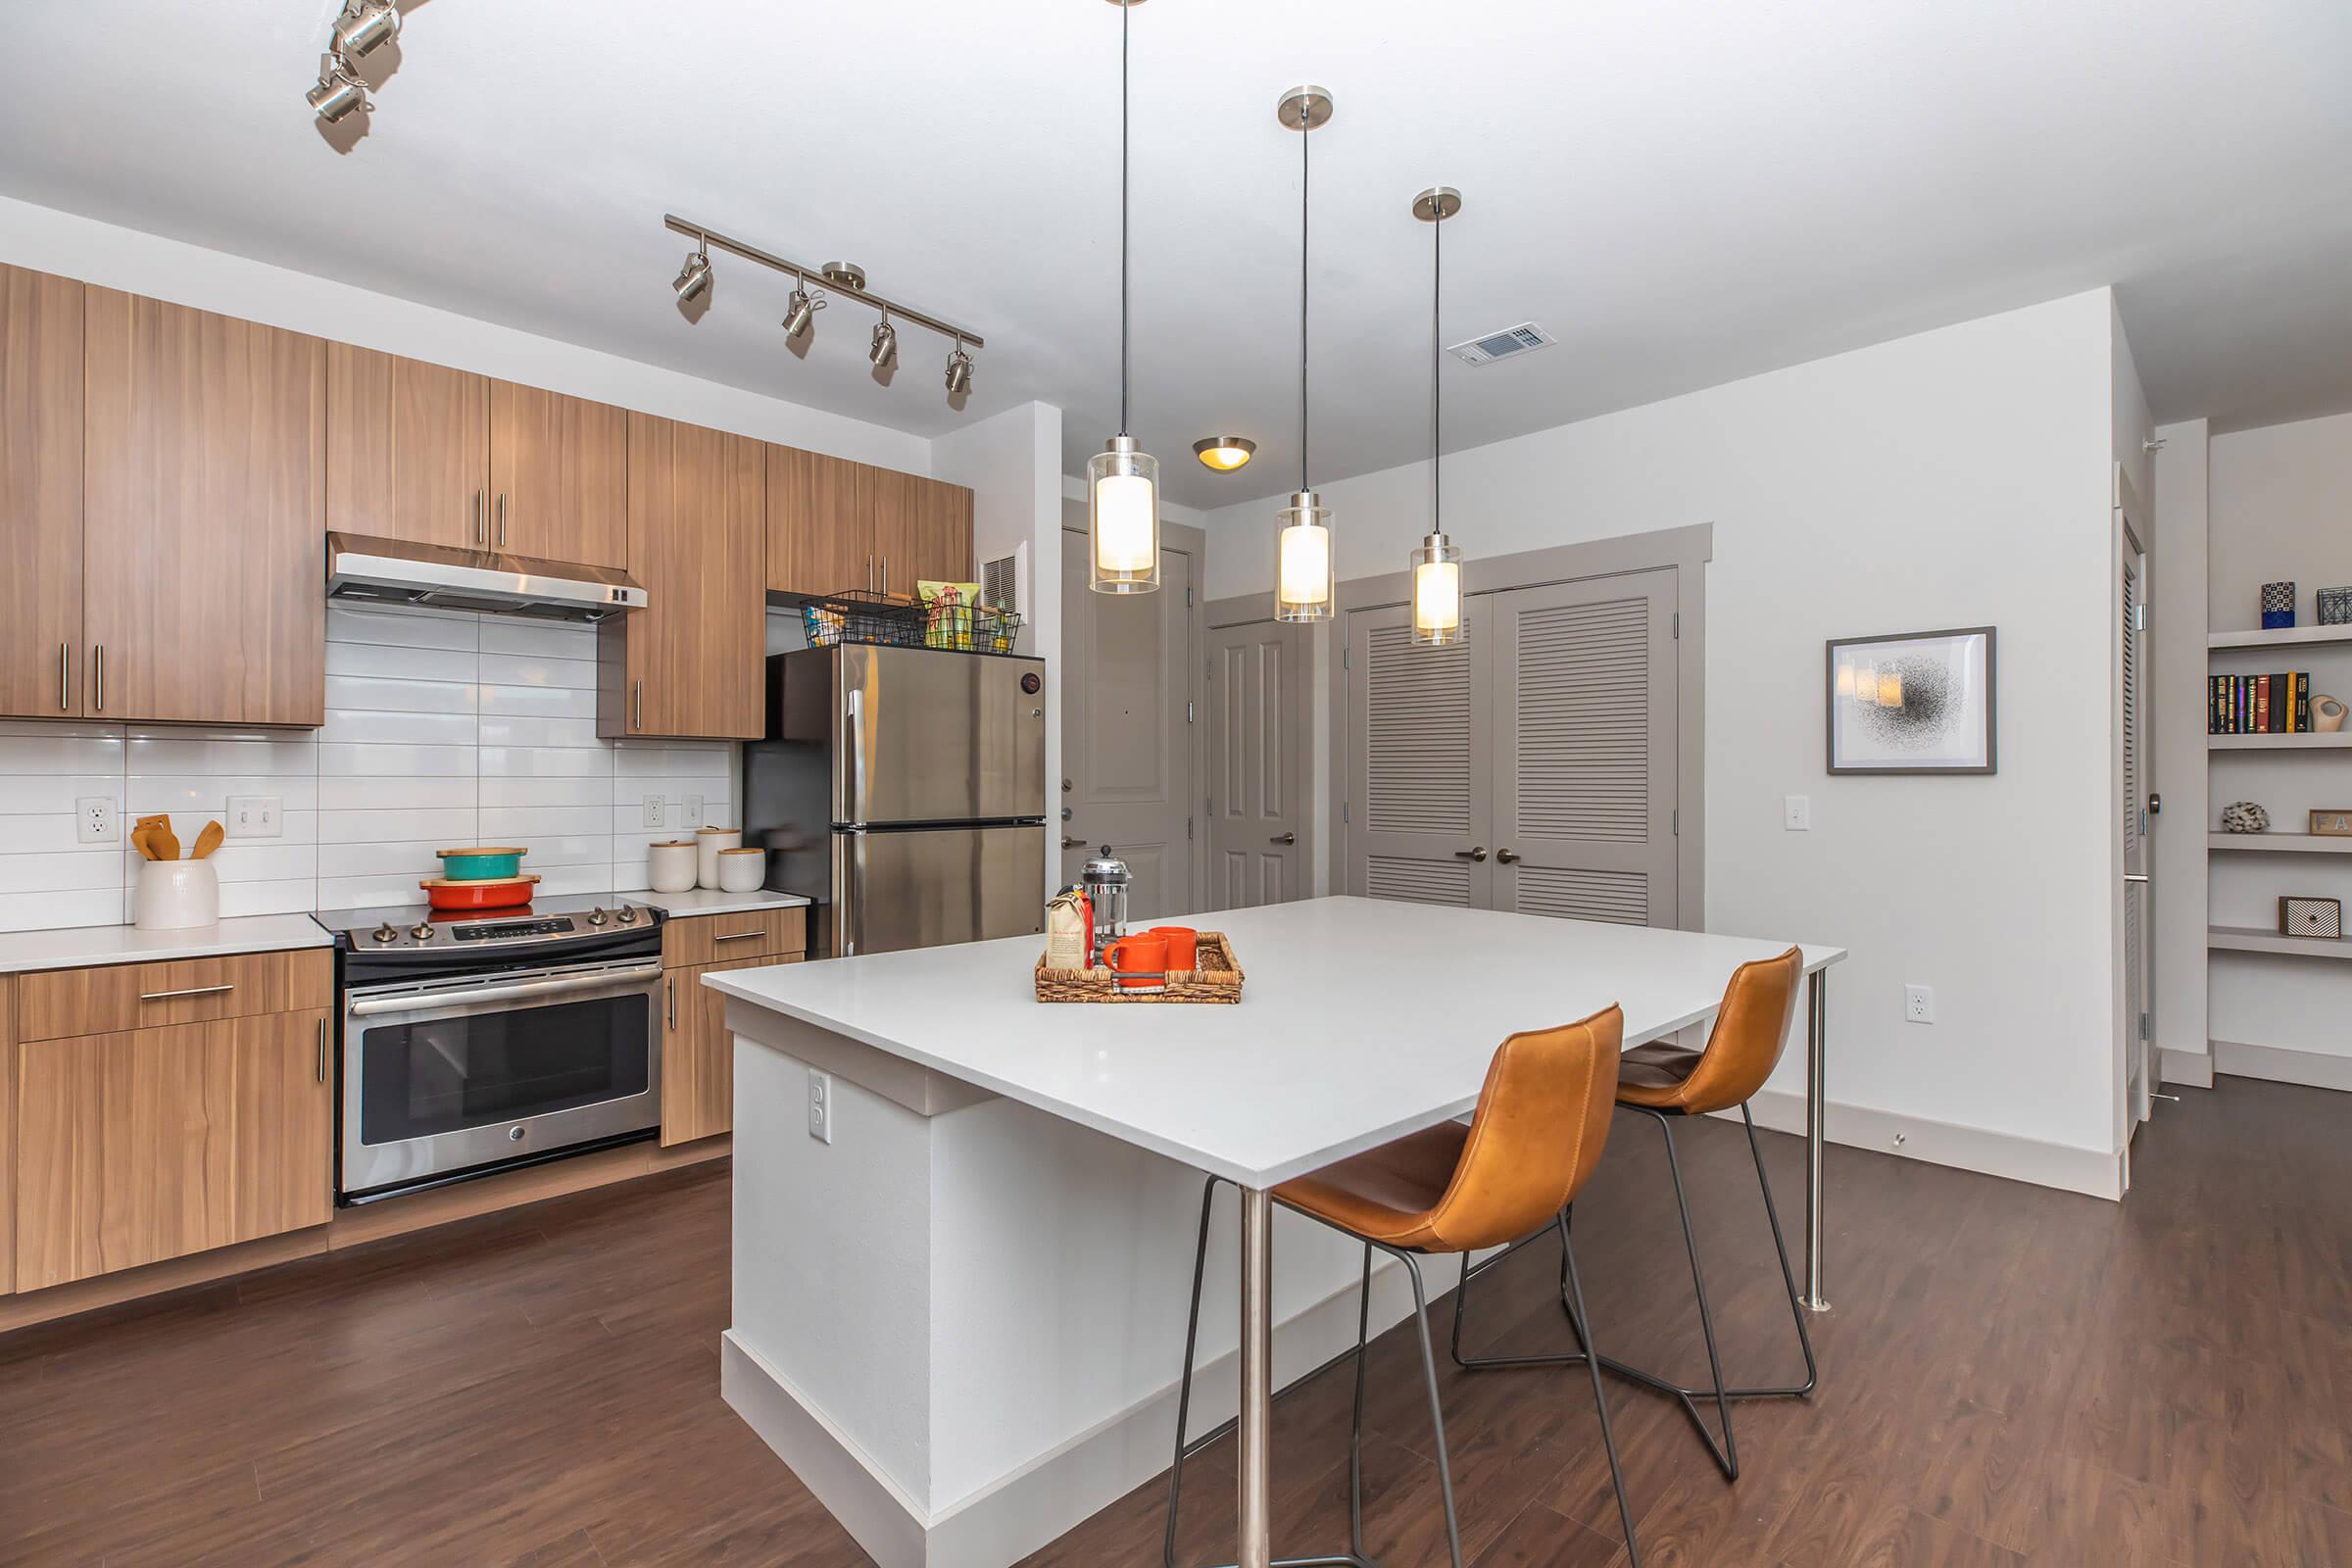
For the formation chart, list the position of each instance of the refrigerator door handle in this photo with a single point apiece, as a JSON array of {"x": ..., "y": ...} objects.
[
  {"x": 857, "y": 780},
  {"x": 846, "y": 874}
]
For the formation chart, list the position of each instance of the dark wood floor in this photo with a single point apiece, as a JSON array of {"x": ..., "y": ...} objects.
[{"x": 2013, "y": 1376}]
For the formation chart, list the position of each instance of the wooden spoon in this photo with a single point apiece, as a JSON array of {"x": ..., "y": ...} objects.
[
  {"x": 165, "y": 841},
  {"x": 138, "y": 841},
  {"x": 208, "y": 841}
]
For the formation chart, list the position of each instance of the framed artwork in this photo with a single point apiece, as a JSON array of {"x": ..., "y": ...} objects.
[{"x": 1919, "y": 703}]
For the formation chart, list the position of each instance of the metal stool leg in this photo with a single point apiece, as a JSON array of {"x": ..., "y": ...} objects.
[
  {"x": 1600, "y": 1399},
  {"x": 1461, "y": 1298},
  {"x": 1355, "y": 1423},
  {"x": 1437, "y": 1414},
  {"x": 1787, "y": 1278},
  {"x": 1726, "y": 1452},
  {"x": 1184, "y": 1394}
]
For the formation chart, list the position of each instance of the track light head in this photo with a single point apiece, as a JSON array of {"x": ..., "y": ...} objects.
[
  {"x": 884, "y": 351},
  {"x": 695, "y": 275},
  {"x": 799, "y": 313},
  {"x": 339, "y": 94},
  {"x": 364, "y": 27},
  {"x": 960, "y": 371}
]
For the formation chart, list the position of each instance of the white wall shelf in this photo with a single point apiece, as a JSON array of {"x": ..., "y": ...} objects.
[
  {"x": 2284, "y": 743},
  {"x": 2282, "y": 843},
  {"x": 2290, "y": 637},
  {"x": 2253, "y": 939}
]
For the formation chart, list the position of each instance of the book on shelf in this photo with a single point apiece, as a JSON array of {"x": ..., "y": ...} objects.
[{"x": 2260, "y": 704}]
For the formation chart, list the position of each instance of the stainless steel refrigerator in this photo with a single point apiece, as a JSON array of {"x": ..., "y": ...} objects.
[{"x": 903, "y": 790}]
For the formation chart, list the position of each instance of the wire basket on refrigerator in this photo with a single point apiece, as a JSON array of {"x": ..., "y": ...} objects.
[{"x": 858, "y": 616}]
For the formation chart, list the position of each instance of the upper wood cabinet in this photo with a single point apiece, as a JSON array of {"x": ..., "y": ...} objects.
[
  {"x": 408, "y": 449},
  {"x": 203, "y": 512},
  {"x": 558, "y": 477},
  {"x": 41, "y": 651},
  {"x": 835, "y": 526},
  {"x": 693, "y": 661},
  {"x": 152, "y": 1144}
]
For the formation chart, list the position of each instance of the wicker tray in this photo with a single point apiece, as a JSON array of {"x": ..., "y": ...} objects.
[{"x": 1218, "y": 979}]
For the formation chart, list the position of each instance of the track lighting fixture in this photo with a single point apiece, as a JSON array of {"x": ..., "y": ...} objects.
[
  {"x": 884, "y": 351},
  {"x": 960, "y": 371},
  {"x": 364, "y": 27},
  {"x": 799, "y": 313},
  {"x": 695, "y": 275},
  {"x": 339, "y": 94}
]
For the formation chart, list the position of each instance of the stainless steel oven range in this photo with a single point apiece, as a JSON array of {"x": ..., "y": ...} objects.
[{"x": 476, "y": 1043}]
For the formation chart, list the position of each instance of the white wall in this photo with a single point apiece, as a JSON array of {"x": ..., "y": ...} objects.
[
  {"x": 2280, "y": 500},
  {"x": 71, "y": 246},
  {"x": 2179, "y": 668},
  {"x": 1958, "y": 477}
]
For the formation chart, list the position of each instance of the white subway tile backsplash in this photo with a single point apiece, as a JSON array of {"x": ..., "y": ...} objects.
[{"x": 442, "y": 729}]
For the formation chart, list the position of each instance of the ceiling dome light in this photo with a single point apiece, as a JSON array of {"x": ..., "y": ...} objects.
[
  {"x": 959, "y": 372},
  {"x": 364, "y": 27},
  {"x": 1224, "y": 452},
  {"x": 884, "y": 350},
  {"x": 1436, "y": 563},
  {"x": 339, "y": 94},
  {"x": 695, "y": 275},
  {"x": 1303, "y": 586},
  {"x": 797, "y": 313},
  {"x": 1122, "y": 480}
]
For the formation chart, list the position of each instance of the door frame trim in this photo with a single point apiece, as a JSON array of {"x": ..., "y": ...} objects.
[{"x": 1687, "y": 550}]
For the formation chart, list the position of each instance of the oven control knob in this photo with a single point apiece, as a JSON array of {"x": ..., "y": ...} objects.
[
  {"x": 514, "y": 1135},
  {"x": 627, "y": 915},
  {"x": 384, "y": 932},
  {"x": 596, "y": 916},
  {"x": 423, "y": 931}
]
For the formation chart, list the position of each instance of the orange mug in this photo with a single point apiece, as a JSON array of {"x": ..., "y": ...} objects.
[
  {"x": 1184, "y": 945},
  {"x": 1140, "y": 961}
]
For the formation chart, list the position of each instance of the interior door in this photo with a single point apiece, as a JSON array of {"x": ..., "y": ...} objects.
[
  {"x": 41, "y": 651},
  {"x": 1127, "y": 730},
  {"x": 2133, "y": 820},
  {"x": 1260, "y": 723},
  {"x": 1584, "y": 720},
  {"x": 408, "y": 449},
  {"x": 1420, "y": 785}
]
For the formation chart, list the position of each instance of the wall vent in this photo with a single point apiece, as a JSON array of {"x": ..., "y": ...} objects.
[
  {"x": 1486, "y": 349},
  {"x": 997, "y": 580}
]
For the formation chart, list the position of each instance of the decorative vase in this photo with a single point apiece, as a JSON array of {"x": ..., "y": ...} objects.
[
  {"x": 2278, "y": 606},
  {"x": 174, "y": 894}
]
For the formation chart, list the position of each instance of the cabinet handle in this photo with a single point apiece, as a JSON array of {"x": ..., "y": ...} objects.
[
  {"x": 869, "y": 575},
  {"x": 481, "y": 520},
  {"x": 323, "y": 1050},
  {"x": 672, "y": 983},
  {"x": 886, "y": 574},
  {"x": 192, "y": 991},
  {"x": 98, "y": 675},
  {"x": 65, "y": 691},
  {"x": 737, "y": 936},
  {"x": 502, "y": 520},
  {"x": 639, "y": 721}
]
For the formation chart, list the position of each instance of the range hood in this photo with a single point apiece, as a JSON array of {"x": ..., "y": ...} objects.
[{"x": 401, "y": 572}]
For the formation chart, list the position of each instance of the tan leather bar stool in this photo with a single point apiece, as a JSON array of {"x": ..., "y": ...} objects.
[
  {"x": 1666, "y": 1081},
  {"x": 1542, "y": 1117}
]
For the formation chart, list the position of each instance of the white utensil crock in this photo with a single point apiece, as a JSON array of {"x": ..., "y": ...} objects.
[
  {"x": 670, "y": 867},
  {"x": 707, "y": 842},
  {"x": 176, "y": 894},
  {"x": 741, "y": 870}
]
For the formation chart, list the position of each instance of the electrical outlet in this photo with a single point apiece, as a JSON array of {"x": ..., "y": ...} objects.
[
  {"x": 694, "y": 812},
  {"x": 1919, "y": 1004},
  {"x": 653, "y": 810},
  {"x": 1796, "y": 813},
  {"x": 820, "y": 1105},
  {"x": 94, "y": 819},
  {"x": 255, "y": 817}
]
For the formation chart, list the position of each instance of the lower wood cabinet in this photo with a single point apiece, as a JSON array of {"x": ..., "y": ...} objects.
[
  {"x": 7, "y": 1135},
  {"x": 155, "y": 1143},
  {"x": 698, "y": 1054}
]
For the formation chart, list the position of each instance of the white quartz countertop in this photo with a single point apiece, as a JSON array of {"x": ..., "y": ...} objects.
[
  {"x": 84, "y": 947},
  {"x": 711, "y": 900},
  {"x": 1360, "y": 1020}
]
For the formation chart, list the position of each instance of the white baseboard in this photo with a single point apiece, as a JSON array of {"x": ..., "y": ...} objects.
[
  {"x": 1056, "y": 1492},
  {"x": 2281, "y": 1065},
  {"x": 2191, "y": 1067},
  {"x": 1942, "y": 1142}
]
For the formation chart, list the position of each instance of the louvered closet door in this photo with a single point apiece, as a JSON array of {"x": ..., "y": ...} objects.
[
  {"x": 1420, "y": 792},
  {"x": 1583, "y": 705}
]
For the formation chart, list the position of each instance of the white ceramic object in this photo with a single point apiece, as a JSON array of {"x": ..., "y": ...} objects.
[
  {"x": 740, "y": 871},
  {"x": 670, "y": 865},
  {"x": 173, "y": 895},
  {"x": 707, "y": 842}
]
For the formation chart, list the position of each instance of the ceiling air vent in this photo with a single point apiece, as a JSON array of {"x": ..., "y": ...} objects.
[{"x": 1524, "y": 338}]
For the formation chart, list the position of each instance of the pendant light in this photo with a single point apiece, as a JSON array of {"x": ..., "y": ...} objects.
[
  {"x": 1436, "y": 564},
  {"x": 1122, "y": 480},
  {"x": 1302, "y": 575}
]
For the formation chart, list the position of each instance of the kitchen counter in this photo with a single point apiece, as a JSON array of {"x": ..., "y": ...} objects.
[
  {"x": 91, "y": 945},
  {"x": 711, "y": 900}
]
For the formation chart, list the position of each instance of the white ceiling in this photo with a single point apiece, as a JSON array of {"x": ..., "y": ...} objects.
[{"x": 1684, "y": 192}]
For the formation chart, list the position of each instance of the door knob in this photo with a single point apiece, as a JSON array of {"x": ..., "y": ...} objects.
[
  {"x": 1507, "y": 857},
  {"x": 1284, "y": 838},
  {"x": 1069, "y": 842},
  {"x": 1477, "y": 851}
]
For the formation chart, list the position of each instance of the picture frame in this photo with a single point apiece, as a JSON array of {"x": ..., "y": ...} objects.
[
  {"x": 2332, "y": 824},
  {"x": 1931, "y": 704}
]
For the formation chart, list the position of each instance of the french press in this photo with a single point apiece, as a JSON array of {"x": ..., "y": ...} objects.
[{"x": 1106, "y": 879}]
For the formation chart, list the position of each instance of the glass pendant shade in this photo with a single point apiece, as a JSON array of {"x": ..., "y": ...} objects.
[
  {"x": 1437, "y": 569},
  {"x": 1302, "y": 571},
  {"x": 1122, "y": 519}
]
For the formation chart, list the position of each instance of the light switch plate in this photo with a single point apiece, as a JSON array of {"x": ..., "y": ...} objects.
[
  {"x": 694, "y": 813},
  {"x": 255, "y": 817},
  {"x": 1796, "y": 812}
]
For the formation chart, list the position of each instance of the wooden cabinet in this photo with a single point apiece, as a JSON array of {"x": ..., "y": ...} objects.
[
  {"x": 152, "y": 1144},
  {"x": 834, "y": 525},
  {"x": 693, "y": 661},
  {"x": 8, "y": 1137},
  {"x": 698, "y": 1055},
  {"x": 41, "y": 651},
  {"x": 558, "y": 477},
  {"x": 408, "y": 449},
  {"x": 105, "y": 999},
  {"x": 203, "y": 510},
  {"x": 698, "y": 940}
]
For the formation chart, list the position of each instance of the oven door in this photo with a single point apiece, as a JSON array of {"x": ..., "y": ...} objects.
[{"x": 452, "y": 1075}]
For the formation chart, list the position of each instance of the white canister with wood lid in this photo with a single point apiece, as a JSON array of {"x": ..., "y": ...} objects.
[
  {"x": 707, "y": 842},
  {"x": 670, "y": 865}
]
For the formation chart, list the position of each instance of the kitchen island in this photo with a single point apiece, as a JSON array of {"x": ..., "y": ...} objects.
[{"x": 964, "y": 1222}]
